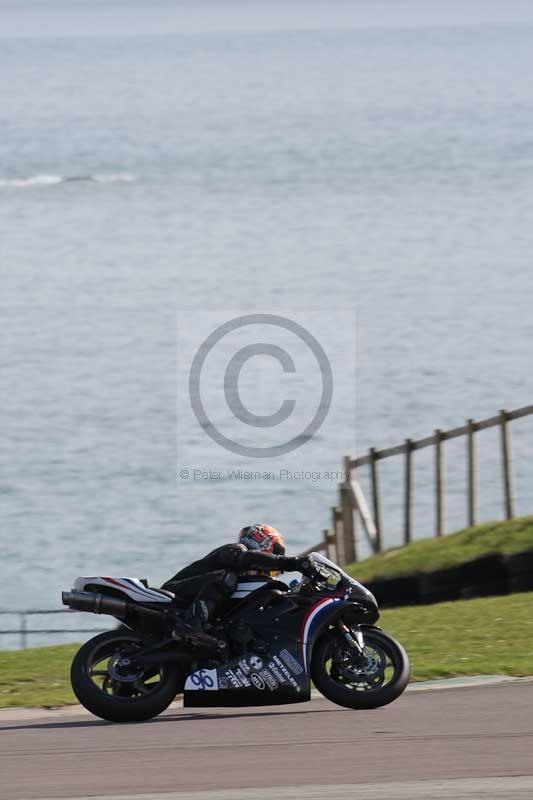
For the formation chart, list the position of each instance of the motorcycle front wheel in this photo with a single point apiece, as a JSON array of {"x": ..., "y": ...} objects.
[
  {"x": 370, "y": 679},
  {"x": 110, "y": 684}
]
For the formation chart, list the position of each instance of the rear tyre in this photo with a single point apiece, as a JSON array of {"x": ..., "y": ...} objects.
[
  {"x": 106, "y": 680},
  {"x": 374, "y": 681}
]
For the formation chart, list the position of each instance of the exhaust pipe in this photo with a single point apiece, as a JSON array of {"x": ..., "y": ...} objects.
[
  {"x": 98, "y": 603},
  {"x": 95, "y": 603}
]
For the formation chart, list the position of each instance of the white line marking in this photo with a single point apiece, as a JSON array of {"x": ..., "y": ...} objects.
[{"x": 513, "y": 788}]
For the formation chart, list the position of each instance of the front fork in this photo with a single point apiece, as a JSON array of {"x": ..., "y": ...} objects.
[{"x": 353, "y": 637}]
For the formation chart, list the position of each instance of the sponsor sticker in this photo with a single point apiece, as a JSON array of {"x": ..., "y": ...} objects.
[
  {"x": 242, "y": 677},
  {"x": 257, "y": 680},
  {"x": 269, "y": 679},
  {"x": 244, "y": 666},
  {"x": 273, "y": 668},
  {"x": 232, "y": 679},
  {"x": 202, "y": 680},
  {"x": 285, "y": 671},
  {"x": 291, "y": 662}
]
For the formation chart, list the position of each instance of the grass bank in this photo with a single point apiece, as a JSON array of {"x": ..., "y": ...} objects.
[
  {"x": 486, "y": 636},
  {"x": 426, "y": 555}
]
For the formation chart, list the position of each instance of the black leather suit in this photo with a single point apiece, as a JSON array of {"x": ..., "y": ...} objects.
[{"x": 213, "y": 578}]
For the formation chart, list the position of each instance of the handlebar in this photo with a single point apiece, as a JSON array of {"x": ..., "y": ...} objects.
[{"x": 313, "y": 572}]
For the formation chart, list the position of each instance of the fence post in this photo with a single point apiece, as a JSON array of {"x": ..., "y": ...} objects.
[
  {"x": 408, "y": 499},
  {"x": 340, "y": 530},
  {"x": 349, "y": 553},
  {"x": 23, "y": 630},
  {"x": 349, "y": 549},
  {"x": 336, "y": 526},
  {"x": 506, "y": 463},
  {"x": 329, "y": 541},
  {"x": 472, "y": 473},
  {"x": 333, "y": 510},
  {"x": 375, "y": 496},
  {"x": 439, "y": 484}
]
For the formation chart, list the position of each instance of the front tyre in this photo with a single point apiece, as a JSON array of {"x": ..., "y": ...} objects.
[
  {"x": 371, "y": 680},
  {"x": 107, "y": 681}
]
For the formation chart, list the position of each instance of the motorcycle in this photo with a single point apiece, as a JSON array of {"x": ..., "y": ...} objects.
[{"x": 271, "y": 642}]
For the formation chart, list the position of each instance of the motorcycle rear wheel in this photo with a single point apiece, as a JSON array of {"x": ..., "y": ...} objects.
[
  {"x": 95, "y": 677},
  {"x": 379, "y": 682}
]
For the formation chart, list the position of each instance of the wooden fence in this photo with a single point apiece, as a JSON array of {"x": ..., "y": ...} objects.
[{"x": 340, "y": 541}]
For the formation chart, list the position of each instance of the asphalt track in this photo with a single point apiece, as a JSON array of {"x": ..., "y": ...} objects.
[{"x": 456, "y": 743}]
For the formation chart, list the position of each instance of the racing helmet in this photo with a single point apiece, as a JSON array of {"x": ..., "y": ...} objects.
[{"x": 264, "y": 538}]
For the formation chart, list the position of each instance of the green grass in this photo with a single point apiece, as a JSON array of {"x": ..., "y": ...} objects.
[
  {"x": 427, "y": 555},
  {"x": 36, "y": 677},
  {"x": 487, "y": 636}
]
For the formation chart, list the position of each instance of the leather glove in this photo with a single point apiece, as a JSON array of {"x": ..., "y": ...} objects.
[{"x": 300, "y": 564}]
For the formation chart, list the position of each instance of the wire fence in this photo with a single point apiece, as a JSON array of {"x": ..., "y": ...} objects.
[{"x": 24, "y": 631}]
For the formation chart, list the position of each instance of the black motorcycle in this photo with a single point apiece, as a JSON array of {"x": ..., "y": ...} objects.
[{"x": 271, "y": 642}]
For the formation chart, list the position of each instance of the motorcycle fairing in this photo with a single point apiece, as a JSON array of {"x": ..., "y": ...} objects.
[
  {"x": 313, "y": 622},
  {"x": 281, "y": 676},
  {"x": 250, "y": 679},
  {"x": 248, "y": 584},
  {"x": 131, "y": 587}
]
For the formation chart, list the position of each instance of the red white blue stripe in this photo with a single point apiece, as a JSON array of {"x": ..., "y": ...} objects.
[
  {"x": 137, "y": 590},
  {"x": 133, "y": 587},
  {"x": 310, "y": 621}
]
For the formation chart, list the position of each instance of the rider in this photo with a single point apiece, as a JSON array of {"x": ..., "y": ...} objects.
[{"x": 210, "y": 581}]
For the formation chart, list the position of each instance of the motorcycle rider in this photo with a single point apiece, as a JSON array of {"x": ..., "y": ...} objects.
[{"x": 210, "y": 581}]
